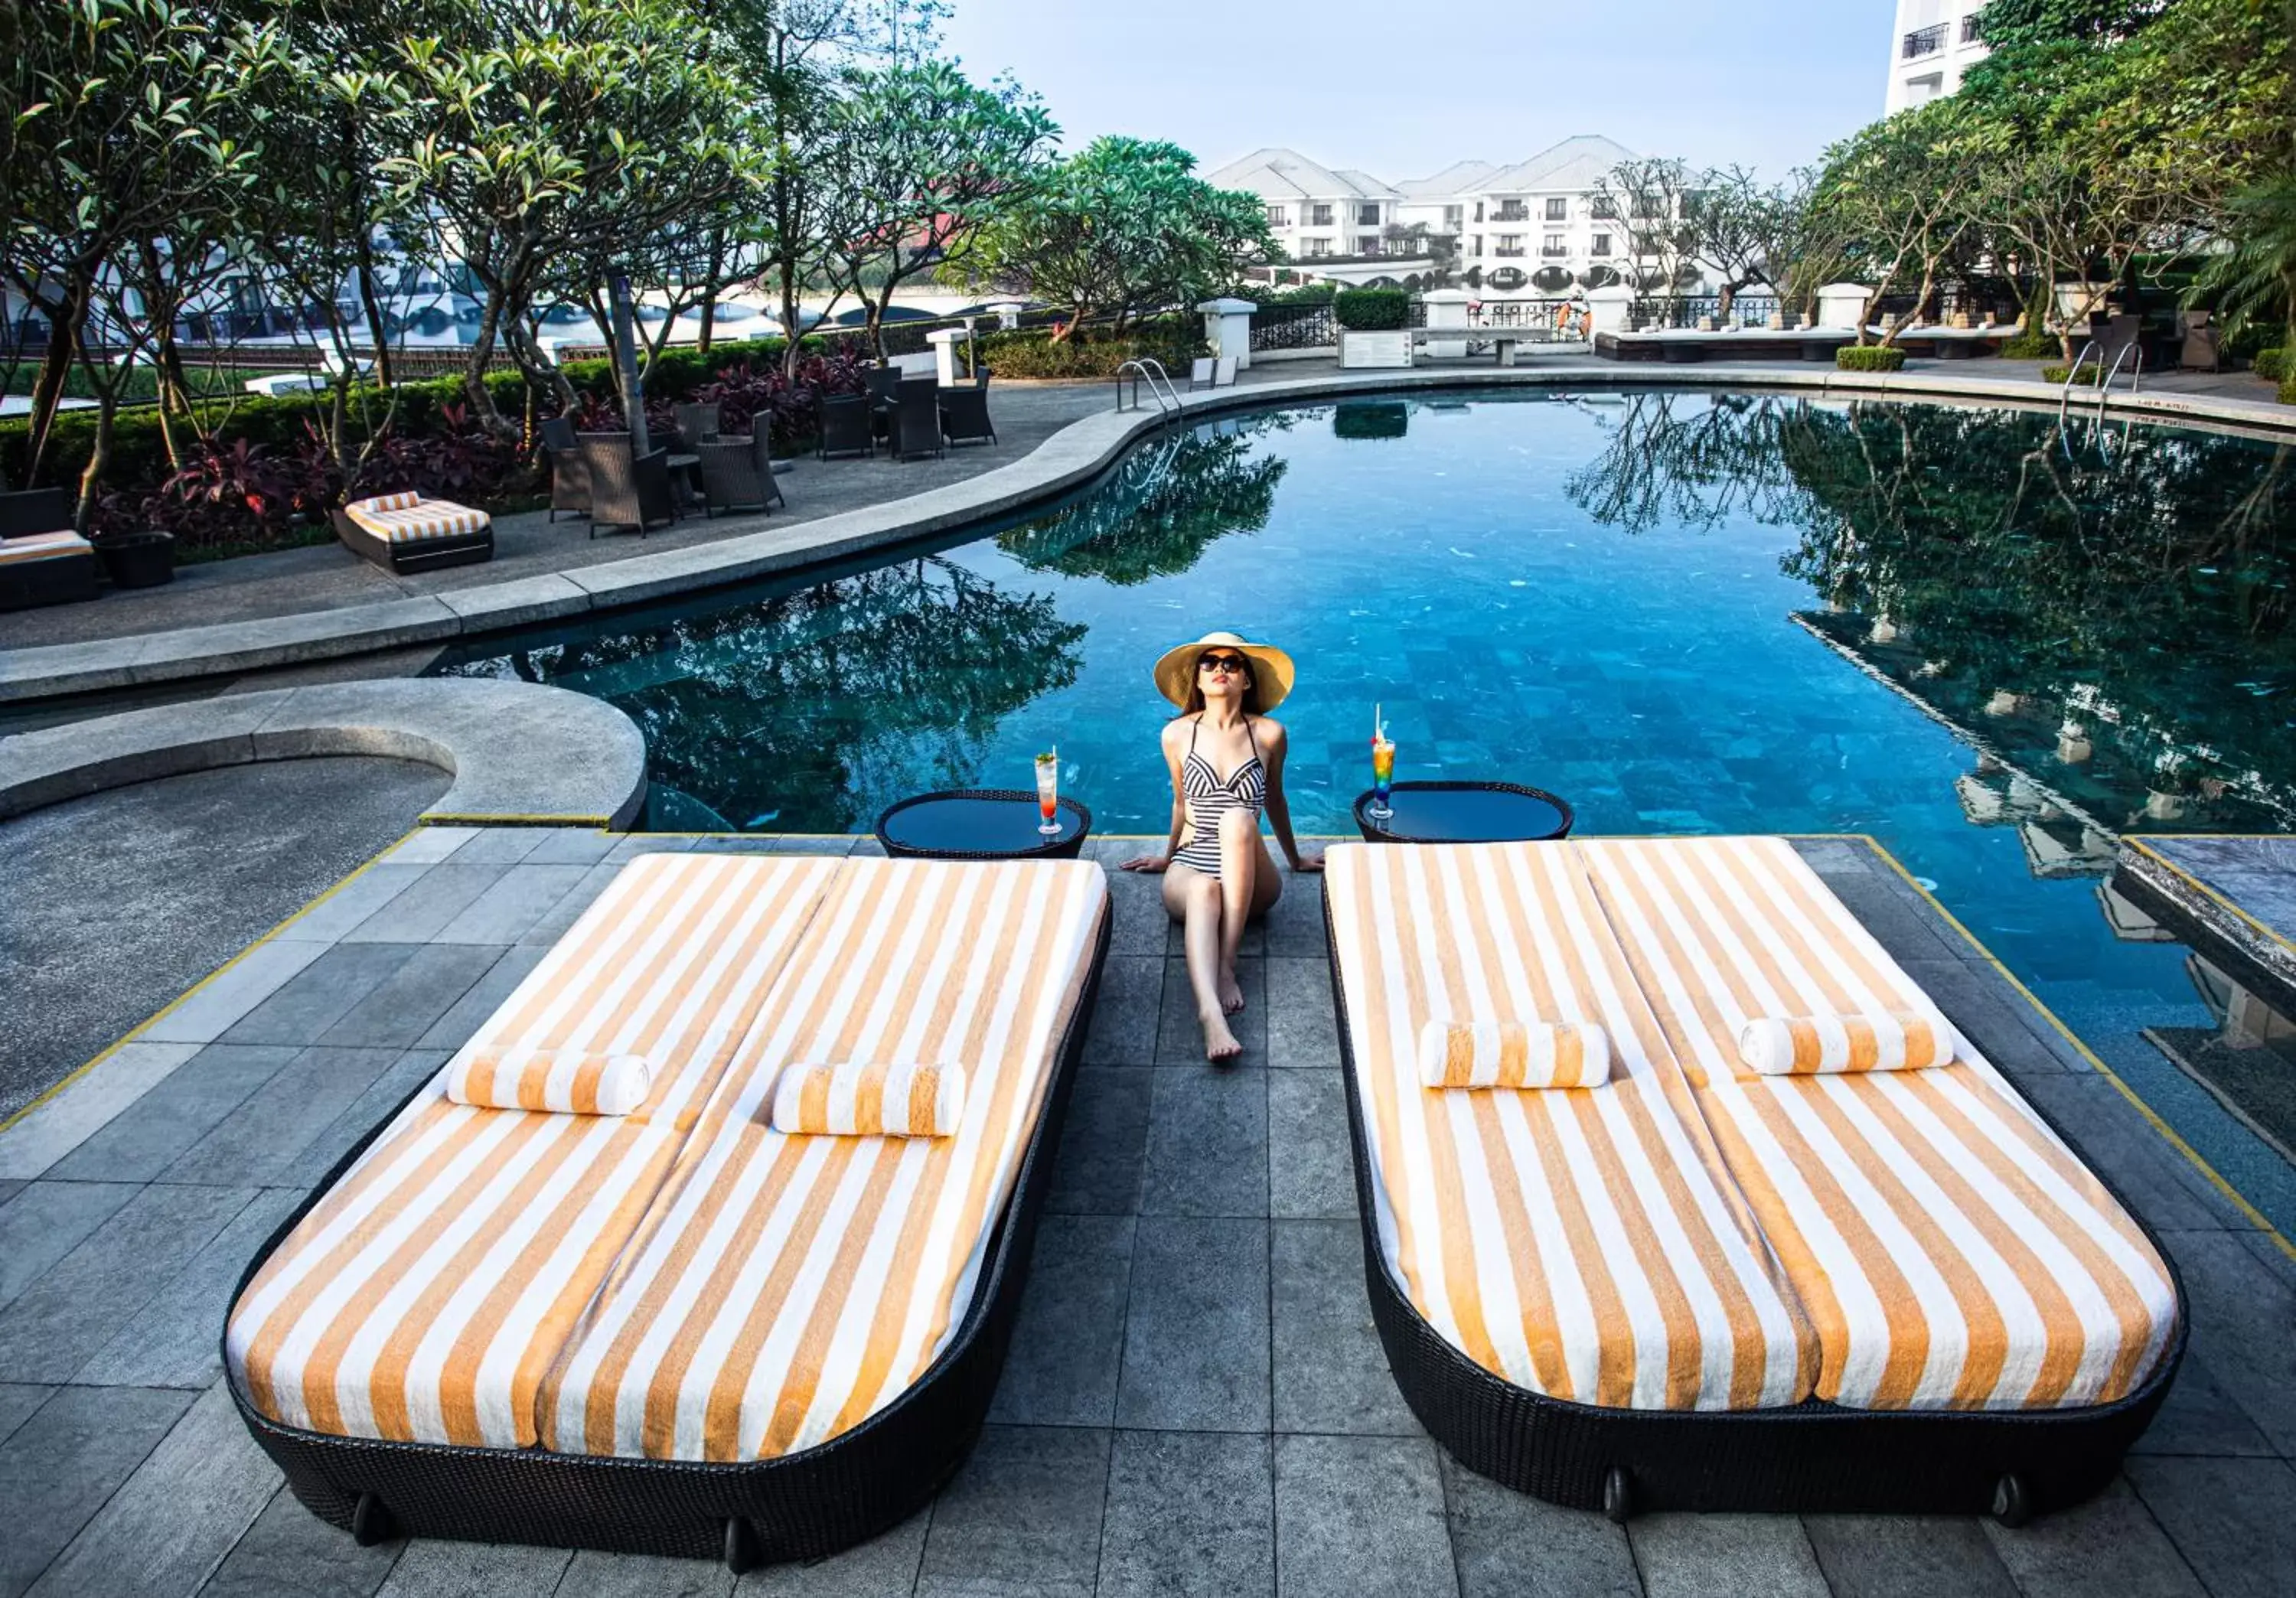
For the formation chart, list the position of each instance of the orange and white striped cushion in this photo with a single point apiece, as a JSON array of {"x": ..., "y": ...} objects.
[
  {"x": 869, "y": 1101},
  {"x": 562, "y": 1081},
  {"x": 1513, "y": 1054},
  {"x": 425, "y": 1296},
  {"x": 42, "y": 547},
  {"x": 415, "y": 519},
  {"x": 1951, "y": 1252},
  {"x": 1575, "y": 1242},
  {"x": 403, "y": 499},
  {"x": 1825, "y": 1045},
  {"x": 787, "y": 1288}
]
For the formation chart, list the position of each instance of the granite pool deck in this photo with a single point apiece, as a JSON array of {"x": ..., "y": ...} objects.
[{"x": 1196, "y": 1401}]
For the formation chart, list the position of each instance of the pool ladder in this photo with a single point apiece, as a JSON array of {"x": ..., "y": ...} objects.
[
  {"x": 2130, "y": 355},
  {"x": 1148, "y": 369}
]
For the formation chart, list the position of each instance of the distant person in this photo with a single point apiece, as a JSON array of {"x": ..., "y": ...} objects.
[{"x": 1218, "y": 874}]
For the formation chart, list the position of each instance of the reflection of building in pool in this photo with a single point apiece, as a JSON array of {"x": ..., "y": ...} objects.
[{"x": 2058, "y": 841}]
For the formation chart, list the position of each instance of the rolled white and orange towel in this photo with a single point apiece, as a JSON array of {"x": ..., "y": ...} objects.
[
  {"x": 1824, "y": 1045},
  {"x": 1517, "y": 1054},
  {"x": 869, "y": 1101},
  {"x": 566, "y": 1081}
]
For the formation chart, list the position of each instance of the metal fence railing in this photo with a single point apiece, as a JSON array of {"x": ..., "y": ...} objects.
[
  {"x": 1306, "y": 326},
  {"x": 1691, "y": 310}
]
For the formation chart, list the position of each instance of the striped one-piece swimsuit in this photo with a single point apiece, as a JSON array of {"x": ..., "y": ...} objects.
[{"x": 1208, "y": 797}]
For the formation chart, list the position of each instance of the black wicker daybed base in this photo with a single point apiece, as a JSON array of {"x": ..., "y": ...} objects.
[
  {"x": 801, "y": 1506},
  {"x": 428, "y": 554}
]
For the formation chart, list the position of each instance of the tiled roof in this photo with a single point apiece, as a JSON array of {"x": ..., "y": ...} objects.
[
  {"x": 1288, "y": 175},
  {"x": 1570, "y": 166}
]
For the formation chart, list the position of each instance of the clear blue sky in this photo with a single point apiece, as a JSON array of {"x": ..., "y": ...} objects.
[{"x": 1768, "y": 83}]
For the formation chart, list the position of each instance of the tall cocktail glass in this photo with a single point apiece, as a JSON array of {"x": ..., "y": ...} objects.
[
  {"x": 1048, "y": 793},
  {"x": 1382, "y": 778}
]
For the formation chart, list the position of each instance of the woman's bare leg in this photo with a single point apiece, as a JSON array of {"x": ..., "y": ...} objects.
[
  {"x": 1193, "y": 900},
  {"x": 1243, "y": 876}
]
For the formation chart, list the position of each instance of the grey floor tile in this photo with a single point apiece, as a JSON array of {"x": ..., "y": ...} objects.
[
  {"x": 18, "y": 1401},
  {"x": 1907, "y": 1556},
  {"x": 1360, "y": 1515},
  {"x": 2241, "y": 1315},
  {"x": 402, "y": 1006},
  {"x": 58, "y": 1125},
  {"x": 1195, "y": 1334},
  {"x": 512, "y": 903},
  {"x": 1123, "y": 1015},
  {"x": 1104, "y": 1143},
  {"x": 552, "y": 924},
  {"x": 595, "y": 1575},
  {"x": 1331, "y": 1373},
  {"x": 172, "y": 1340},
  {"x": 1295, "y": 924},
  {"x": 427, "y": 846},
  {"x": 1069, "y": 1342},
  {"x": 2198, "y": 1418},
  {"x": 1697, "y": 1556},
  {"x": 290, "y": 1552},
  {"x": 11, "y": 1186},
  {"x": 438, "y": 1569},
  {"x": 1831, "y": 857},
  {"x": 1022, "y": 1517},
  {"x": 1509, "y": 1545},
  {"x": 260, "y": 1139},
  {"x": 1142, "y": 924},
  {"x": 58, "y": 1468},
  {"x": 320, "y": 995},
  {"x": 2233, "y": 1519},
  {"x": 573, "y": 846},
  {"x": 1207, "y": 1142},
  {"x": 369, "y": 1110},
  {"x": 86, "y": 1296},
  {"x": 464, "y": 1017},
  {"x": 2106, "y": 1130},
  {"x": 46, "y": 1221},
  {"x": 229, "y": 994},
  {"x": 1191, "y": 1514},
  {"x": 421, "y": 913},
  {"x": 1310, "y": 1164},
  {"x": 171, "y": 1523},
  {"x": 1301, "y": 1029},
  {"x": 351, "y": 902},
  {"x": 884, "y": 1567},
  {"x": 148, "y": 1135},
  {"x": 2062, "y": 1555},
  {"x": 1180, "y": 1039},
  {"x": 502, "y": 846}
]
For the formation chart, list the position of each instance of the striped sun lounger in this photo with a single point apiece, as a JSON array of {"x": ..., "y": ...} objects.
[
  {"x": 1576, "y": 1288},
  {"x": 508, "y": 1324},
  {"x": 406, "y": 532}
]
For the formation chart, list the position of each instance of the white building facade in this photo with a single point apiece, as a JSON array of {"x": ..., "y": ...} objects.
[
  {"x": 1936, "y": 41},
  {"x": 1314, "y": 212}
]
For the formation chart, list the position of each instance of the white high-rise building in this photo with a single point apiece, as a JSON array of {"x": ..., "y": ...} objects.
[{"x": 1936, "y": 41}]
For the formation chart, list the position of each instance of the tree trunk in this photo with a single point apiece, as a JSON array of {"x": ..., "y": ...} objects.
[
  {"x": 66, "y": 318},
  {"x": 371, "y": 307},
  {"x": 474, "y": 369},
  {"x": 107, "y": 407},
  {"x": 709, "y": 291}
]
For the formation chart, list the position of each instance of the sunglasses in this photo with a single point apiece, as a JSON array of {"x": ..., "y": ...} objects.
[{"x": 1234, "y": 665}]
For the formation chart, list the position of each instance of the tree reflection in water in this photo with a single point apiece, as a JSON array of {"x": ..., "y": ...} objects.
[
  {"x": 2107, "y": 606},
  {"x": 1168, "y": 502}
]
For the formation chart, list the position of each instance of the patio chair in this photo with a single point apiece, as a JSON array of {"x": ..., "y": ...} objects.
[
  {"x": 696, "y": 425},
  {"x": 2202, "y": 350},
  {"x": 626, "y": 491},
  {"x": 884, "y": 394},
  {"x": 569, "y": 476},
  {"x": 846, "y": 426},
  {"x": 738, "y": 474},
  {"x": 42, "y": 562},
  {"x": 965, "y": 416},
  {"x": 916, "y": 420}
]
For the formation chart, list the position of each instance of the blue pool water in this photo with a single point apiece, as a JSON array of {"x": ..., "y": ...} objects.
[{"x": 1684, "y": 613}]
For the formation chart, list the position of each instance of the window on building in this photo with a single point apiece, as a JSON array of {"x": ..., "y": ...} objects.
[
  {"x": 1605, "y": 208},
  {"x": 1925, "y": 41},
  {"x": 1319, "y": 215},
  {"x": 1453, "y": 216},
  {"x": 1368, "y": 244},
  {"x": 1479, "y": 210},
  {"x": 1510, "y": 243},
  {"x": 1278, "y": 217},
  {"x": 1511, "y": 210},
  {"x": 1601, "y": 244},
  {"x": 1553, "y": 246},
  {"x": 1367, "y": 216},
  {"x": 1476, "y": 245},
  {"x": 1558, "y": 211},
  {"x": 1972, "y": 27},
  {"x": 1922, "y": 90},
  {"x": 1319, "y": 247}
]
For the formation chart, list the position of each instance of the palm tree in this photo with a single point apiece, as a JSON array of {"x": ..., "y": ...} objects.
[{"x": 2256, "y": 279}]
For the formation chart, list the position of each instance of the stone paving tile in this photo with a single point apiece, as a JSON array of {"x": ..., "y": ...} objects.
[
  {"x": 1123, "y": 1027},
  {"x": 462, "y": 1018},
  {"x": 2233, "y": 1519},
  {"x": 172, "y": 1522},
  {"x": 1141, "y": 925},
  {"x": 1907, "y": 1556},
  {"x": 420, "y": 914},
  {"x": 1331, "y": 1373},
  {"x": 55, "y": 1129},
  {"x": 154, "y": 1133},
  {"x": 443, "y": 1569},
  {"x": 1300, "y": 1028},
  {"x": 18, "y": 1401},
  {"x": 59, "y": 1467},
  {"x": 1180, "y": 1040},
  {"x": 2266, "y": 1247},
  {"x": 594, "y": 1575},
  {"x": 572, "y": 846},
  {"x": 1190, "y": 1514},
  {"x": 2241, "y": 1317},
  {"x": 1068, "y": 1343},
  {"x": 501, "y": 846},
  {"x": 2159, "y": 1185},
  {"x": 1022, "y": 1517},
  {"x": 553, "y": 922},
  {"x": 46, "y": 1221},
  {"x": 512, "y": 907},
  {"x": 290, "y": 1552},
  {"x": 883, "y": 1566},
  {"x": 1104, "y": 1143},
  {"x": 304, "y": 1008},
  {"x": 402, "y": 1006},
  {"x": 351, "y": 903},
  {"x": 1206, "y": 1142},
  {"x": 1509, "y": 1545},
  {"x": 239, "y": 988},
  {"x": 2199, "y": 1417},
  {"x": 1196, "y": 1332},
  {"x": 427, "y": 846},
  {"x": 11, "y": 1186},
  {"x": 2062, "y": 1555},
  {"x": 83, "y": 1300},
  {"x": 263, "y": 1137},
  {"x": 1361, "y": 1515},
  {"x": 1697, "y": 1556},
  {"x": 1310, "y": 1167},
  {"x": 1831, "y": 857},
  {"x": 371, "y": 1108},
  {"x": 1294, "y": 924},
  {"x": 172, "y": 1340}
]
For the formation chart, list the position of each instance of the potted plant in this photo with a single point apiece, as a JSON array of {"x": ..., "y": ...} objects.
[{"x": 144, "y": 559}]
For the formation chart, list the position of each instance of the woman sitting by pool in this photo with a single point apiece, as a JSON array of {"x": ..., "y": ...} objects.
[{"x": 1218, "y": 874}]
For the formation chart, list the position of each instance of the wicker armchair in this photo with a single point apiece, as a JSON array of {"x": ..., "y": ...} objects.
[
  {"x": 965, "y": 416},
  {"x": 845, "y": 426},
  {"x": 916, "y": 420},
  {"x": 626, "y": 491},
  {"x": 697, "y": 424},
  {"x": 737, "y": 474},
  {"x": 570, "y": 475}
]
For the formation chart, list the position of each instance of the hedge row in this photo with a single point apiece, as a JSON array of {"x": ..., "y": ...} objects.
[
  {"x": 2087, "y": 377},
  {"x": 1372, "y": 310},
  {"x": 1174, "y": 341},
  {"x": 2273, "y": 366},
  {"x": 1870, "y": 358}
]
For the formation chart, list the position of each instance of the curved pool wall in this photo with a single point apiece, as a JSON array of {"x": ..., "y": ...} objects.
[{"x": 1684, "y": 611}]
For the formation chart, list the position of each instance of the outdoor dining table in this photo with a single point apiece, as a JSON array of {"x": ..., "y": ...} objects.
[
  {"x": 982, "y": 823},
  {"x": 1464, "y": 813}
]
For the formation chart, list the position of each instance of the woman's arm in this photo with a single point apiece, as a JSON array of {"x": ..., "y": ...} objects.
[
  {"x": 1279, "y": 808},
  {"x": 1156, "y": 862}
]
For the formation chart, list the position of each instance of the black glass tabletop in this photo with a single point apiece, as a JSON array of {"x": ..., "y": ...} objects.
[
  {"x": 1464, "y": 813},
  {"x": 982, "y": 823}
]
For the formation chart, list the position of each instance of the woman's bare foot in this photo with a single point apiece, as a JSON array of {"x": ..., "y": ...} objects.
[
  {"x": 1219, "y": 1044},
  {"x": 1231, "y": 992}
]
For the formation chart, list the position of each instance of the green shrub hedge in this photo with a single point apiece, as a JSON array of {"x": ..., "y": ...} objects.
[
  {"x": 2031, "y": 346},
  {"x": 1372, "y": 310},
  {"x": 2087, "y": 377},
  {"x": 2273, "y": 366},
  {"x": 1173, "y": 341},
  {"x": 1870, "y": 358},
  {"x": 2288, "y": 389}
]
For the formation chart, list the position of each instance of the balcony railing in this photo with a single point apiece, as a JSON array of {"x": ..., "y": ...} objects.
[
  {"x": 1512, "y": 213},
  {"x": 1972, "y": 28},
  {"x": 1554, "y": 252},
  {"x": 1504, "y": 253},
  {"x": 1925, "y": 41}
]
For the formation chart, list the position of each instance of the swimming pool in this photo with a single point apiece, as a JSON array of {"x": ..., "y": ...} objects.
[{"x": 1983, "y": 638}]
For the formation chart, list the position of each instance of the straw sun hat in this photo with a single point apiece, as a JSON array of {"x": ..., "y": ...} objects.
[{"x": 1271, "y": 669}]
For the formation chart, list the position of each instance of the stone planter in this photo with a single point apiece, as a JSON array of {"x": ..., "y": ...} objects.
[
  {"x": 142, "y": 560},
  {"x": 1359, "y": 350}
]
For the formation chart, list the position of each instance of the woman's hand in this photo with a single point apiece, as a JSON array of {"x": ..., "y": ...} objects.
[
  {"x": 1308, "y": 863},
  {"x": 1152, "y": 864}
]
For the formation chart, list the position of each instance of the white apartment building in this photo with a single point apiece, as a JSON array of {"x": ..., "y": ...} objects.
[
  {"x": 1314, "y": 212},
  {"x": 1936, "y": 41}
]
